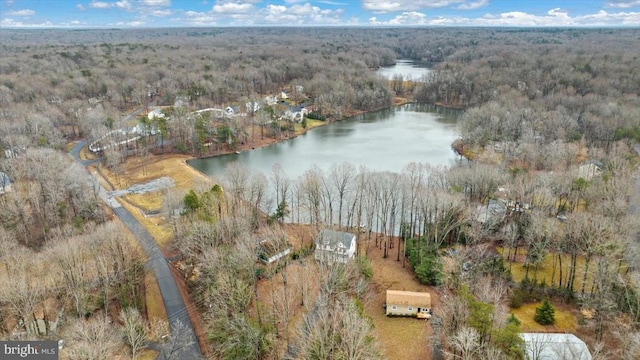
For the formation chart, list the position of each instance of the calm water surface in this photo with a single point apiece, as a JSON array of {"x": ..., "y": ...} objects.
[
  {"x": 384, "y": 140},
  {"x": 406, "y": 68}
]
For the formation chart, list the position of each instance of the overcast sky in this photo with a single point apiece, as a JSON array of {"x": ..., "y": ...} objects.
[{"x": 187, "y": 13}]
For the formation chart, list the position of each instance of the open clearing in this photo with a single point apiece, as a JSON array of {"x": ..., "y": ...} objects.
[{"x": 399, "y": 337}]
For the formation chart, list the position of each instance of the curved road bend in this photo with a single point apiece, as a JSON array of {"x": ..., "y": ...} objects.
[{"x": 173, "y": 302}]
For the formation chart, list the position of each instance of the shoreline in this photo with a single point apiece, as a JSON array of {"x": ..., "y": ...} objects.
[{"x": 270, "y": 141}]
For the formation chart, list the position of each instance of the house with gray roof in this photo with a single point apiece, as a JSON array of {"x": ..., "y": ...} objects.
[{"x": 335, "y": 246}]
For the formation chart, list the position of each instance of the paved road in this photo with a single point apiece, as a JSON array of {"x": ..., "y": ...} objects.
[{"x": 173, "y": 302}]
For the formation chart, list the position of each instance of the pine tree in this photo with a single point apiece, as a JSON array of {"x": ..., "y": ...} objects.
[{"x": 545, "y": 314}]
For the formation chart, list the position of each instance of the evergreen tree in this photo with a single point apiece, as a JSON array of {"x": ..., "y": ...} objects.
[
  {"x": 191, "y": 201},
  {"x": 545, "y": 314},
  {"x": 508, "y": 339}
]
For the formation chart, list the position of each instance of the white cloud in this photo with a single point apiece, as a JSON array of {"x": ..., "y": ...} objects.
[
  {"x": 553, "y": 17},
  {"x": 135, "y": 23},
  {"x": 99, "y": 5},
  {"x": 300, "y": 14},
  {"x": 276, "y": 9},
  {"x": 122, "y": 4},
  {"x": 80, "y": 7},
  {"x": 473, "y": 5},
  {"x": 165, "y": 12},
  {"x": 157, "y": 3},
  {"x": 623, "y": 3},
  {"x": 23, "y": 12},
  {"x": 233, "y": 8},
  {"x": 409, "y": 18},
  {"x": 411, "y": 5},
  {"x": 195, "y": 18},
  {"x": 305, "y": 9},
  {"x": 11, "y": 23}
]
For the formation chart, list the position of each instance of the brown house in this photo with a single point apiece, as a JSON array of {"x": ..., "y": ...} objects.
[{"x": 408, "y": 303}]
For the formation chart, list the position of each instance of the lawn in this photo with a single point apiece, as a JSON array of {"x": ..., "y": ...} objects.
[
  {"x": 565, "y": 320},
  {"x": 149, "y": 202},
  {"x": 144, "y": 169},
  {"x": 159, "y": 228}
]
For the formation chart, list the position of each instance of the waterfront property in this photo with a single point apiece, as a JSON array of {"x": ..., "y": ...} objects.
[{"x": 335, "y": 246}]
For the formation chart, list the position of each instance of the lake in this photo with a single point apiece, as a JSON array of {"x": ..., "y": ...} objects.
[
  {"x": 407, "y": 68},
  {"x": 384, "y": 140}
]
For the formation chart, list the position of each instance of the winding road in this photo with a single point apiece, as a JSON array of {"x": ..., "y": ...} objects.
[{"x": 156, "y": 261}]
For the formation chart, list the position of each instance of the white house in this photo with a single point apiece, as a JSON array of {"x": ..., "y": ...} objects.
[
  {"x": 335, "y": 246},
  {"x": 155, "y": 113},
  {"x": 550, "y": 346},
  {"x": 253, "y": 107},
  {"x": 5, "y": 183}
]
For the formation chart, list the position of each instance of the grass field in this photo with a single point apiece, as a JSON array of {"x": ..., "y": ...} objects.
[
  {"x": 565, "y": 320},
  {"x": 142, "y": 170},
  {"x": 149, "y": 201}
]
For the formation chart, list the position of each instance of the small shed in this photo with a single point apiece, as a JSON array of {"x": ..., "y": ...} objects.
[
  {"x": 271, "y": 250},
  {"x": 408, "y": 303},
  {"x": 589, "y": 169}
]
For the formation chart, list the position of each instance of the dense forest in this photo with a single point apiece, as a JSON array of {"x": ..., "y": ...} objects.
[{"x": 546, "y": 179}]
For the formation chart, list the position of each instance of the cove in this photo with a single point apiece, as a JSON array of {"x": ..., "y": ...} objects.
[{"x": 384, "y": 140}]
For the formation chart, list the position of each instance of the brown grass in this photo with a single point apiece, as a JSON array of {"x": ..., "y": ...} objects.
[
  {"x": 398, "y": 338},
  {"x": 154, "y": 303},
  {"x": 142, "y": 170},
  {"x": 148, "y": 201},
  {"x": 566, "y": 321},
  {"x": 159, "y": 228},
  {"x": 148, "y": 354}
]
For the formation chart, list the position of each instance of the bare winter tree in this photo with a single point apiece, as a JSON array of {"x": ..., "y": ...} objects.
[
  {"x": 342, "y": 176},
  {"x": 177, "y": 342},
  {"x": 465, "y": 344},
  {"x": 92, "y": 339},
  {"x": 134, "y": 330}
]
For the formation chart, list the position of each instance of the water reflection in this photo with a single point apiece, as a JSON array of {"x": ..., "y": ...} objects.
[
  {"x": 384, "y": 140},
  {"x": 407, "y": 68}
]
